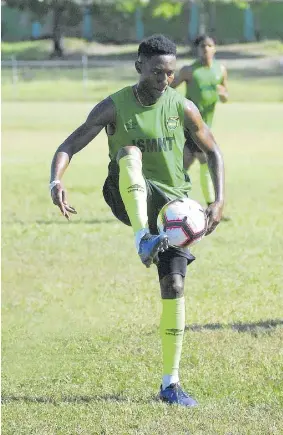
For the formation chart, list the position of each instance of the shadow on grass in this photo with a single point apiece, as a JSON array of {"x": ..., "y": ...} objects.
[
  {"x": 254, "y": 327},
  {"x": 74, "y": 399},
  {"x": 238, "y": 54},
  {"x": 76, "y": 222},
  {"x": 62, "y": 222},
  {"x": 252, "y": 73},
  {"x": 37, "y": 50}
]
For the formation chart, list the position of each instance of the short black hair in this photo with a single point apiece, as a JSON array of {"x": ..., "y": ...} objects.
[
  {"x": 201, "y": 38},
  {"x": 157, "y": 44}
]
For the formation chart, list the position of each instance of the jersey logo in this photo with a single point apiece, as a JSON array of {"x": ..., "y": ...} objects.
[
  {"x": 130, "y": 125},
  {"x": 173, "y": 122}
]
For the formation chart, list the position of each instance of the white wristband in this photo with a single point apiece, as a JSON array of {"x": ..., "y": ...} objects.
[{"x": 53, "y": 184}]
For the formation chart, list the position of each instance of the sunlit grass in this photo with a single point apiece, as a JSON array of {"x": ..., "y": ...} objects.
[
  {"x": 72, "y": 85},
  {"x": 80, "y": 314}
]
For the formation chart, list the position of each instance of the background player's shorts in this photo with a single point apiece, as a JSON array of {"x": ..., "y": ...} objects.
[{"x": 156, "y": 198}]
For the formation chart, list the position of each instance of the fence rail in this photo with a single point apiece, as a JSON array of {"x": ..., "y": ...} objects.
[
  {"x": 29, "y": 78},
  {"x": 61, "y": 63}
]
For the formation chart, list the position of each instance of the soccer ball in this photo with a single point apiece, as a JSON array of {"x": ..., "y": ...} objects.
[{"x": 183, "y": 221}]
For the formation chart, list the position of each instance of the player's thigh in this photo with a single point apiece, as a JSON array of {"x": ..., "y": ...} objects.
[
  {"x": 156, "y": 199},
  {"x": 112, "y": 196}
]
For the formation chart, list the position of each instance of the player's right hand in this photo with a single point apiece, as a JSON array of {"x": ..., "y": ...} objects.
[{"x": 59, "y": 198}]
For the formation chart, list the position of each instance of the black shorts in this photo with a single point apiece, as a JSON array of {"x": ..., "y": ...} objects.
[
  {"x": 174, "y": 260},
  {"x": 191, "y": 145}
]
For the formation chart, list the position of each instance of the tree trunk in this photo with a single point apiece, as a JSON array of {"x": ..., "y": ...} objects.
[
  {"x": 57, "y": 32},
  {"x": 212, "y": 20}
]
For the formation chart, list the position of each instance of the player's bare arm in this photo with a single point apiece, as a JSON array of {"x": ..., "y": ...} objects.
[
  {"x": 100, "y": 116},
  {"x": 223, "y": 87},
  {"x": 203, "y": 137},
  {"x": 184, "y": 75}
]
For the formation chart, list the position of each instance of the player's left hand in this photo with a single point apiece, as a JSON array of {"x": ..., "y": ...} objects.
[
  {"x": 222, "y": 93},
  {"x": 213, "y": 214}
]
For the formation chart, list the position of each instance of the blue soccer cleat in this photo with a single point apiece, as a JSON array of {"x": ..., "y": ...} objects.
[
  {"x": 149, "y": 247},
  {"x": 175, "y": 394}
]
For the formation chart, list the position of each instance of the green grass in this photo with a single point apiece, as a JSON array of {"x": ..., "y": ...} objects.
[
  {"x": 80, "y": 314},
  {"x": 67, "y": 85},
  {"x": 251, "y": 82},
  {"x": 74, "y": 47}
]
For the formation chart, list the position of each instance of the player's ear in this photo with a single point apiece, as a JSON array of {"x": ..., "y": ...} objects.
[{"x": 138, "y": 66}]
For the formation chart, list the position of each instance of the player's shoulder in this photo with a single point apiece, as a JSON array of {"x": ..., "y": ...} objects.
[
  {"x": 102, "y": 111},
  {"x": 195, "y": 65},
  {"x": 175, "y": 99},
  {"x": 190, "y": 109},
  {"x": 121, "y": 93},
  {"x": 174, "y": 95},
  {"x": 187, "y": 67},
  {"x": 219, "y": 64},
  {"x": 187, "y": 70}
]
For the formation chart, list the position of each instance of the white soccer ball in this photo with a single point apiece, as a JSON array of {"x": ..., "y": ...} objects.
[{"x": 183, "y": 221}]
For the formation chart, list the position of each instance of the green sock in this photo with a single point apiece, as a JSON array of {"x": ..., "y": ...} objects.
[
  {"x": 172, "y": 327},
  {"x": 133, "y": 191},
  {"x": 206, "y": 183}
]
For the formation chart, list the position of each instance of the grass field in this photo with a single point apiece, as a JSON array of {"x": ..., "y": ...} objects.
[
  {"x": 67, "y": 85},
  {"x": 255, "y": 71},
  {"x": 75, "y": 47},
  {"x": 80, "y": 314}
]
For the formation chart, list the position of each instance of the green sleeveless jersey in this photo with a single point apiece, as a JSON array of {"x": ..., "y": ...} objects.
[
  {"x": 158, "y": 131},
  {"x": 202, "y": 89}
]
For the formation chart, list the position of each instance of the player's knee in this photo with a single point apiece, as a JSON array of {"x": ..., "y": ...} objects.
[
  {"x": 172, "y": 286},
  {"x": 129, "y": 150}
]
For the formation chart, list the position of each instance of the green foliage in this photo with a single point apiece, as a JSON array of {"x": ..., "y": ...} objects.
[
  {"x": 70, "y": 11},
  {"x": 130, "y": 5},
  {"x": 167, "y": 9}
]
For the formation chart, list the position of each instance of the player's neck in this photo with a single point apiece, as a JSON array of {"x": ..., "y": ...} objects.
[
  {"x": 206, "y": 62},
  {"x": 143, "y": 96}
]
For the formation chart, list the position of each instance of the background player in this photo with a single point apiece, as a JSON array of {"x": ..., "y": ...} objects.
[
  {"x": 145, "y": 124},
  {"x": 206, "y": 84}
]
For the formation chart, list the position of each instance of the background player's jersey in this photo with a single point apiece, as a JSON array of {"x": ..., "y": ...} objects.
[
  {"x": 202, "y": 89},
  {"x": 158, "y": 131}
]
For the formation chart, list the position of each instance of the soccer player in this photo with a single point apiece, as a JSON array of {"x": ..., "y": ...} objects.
[
  {"x": 206, "y": 84},
  {"x": 145, "y": 126}
]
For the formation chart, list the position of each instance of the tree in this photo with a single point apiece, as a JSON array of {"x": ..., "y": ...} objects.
[
  {"x": 63, "y": 12},
  {"x": 67, "y": 12},
  {"x": 207, "y": 12}
]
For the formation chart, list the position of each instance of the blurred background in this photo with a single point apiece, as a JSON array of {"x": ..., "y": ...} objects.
[{"x": 78, "y": 42}]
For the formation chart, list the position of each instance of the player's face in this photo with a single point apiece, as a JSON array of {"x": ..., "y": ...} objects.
[
  {"x": 206, "y": 49},
  {"x": 157, "y": 73}
]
